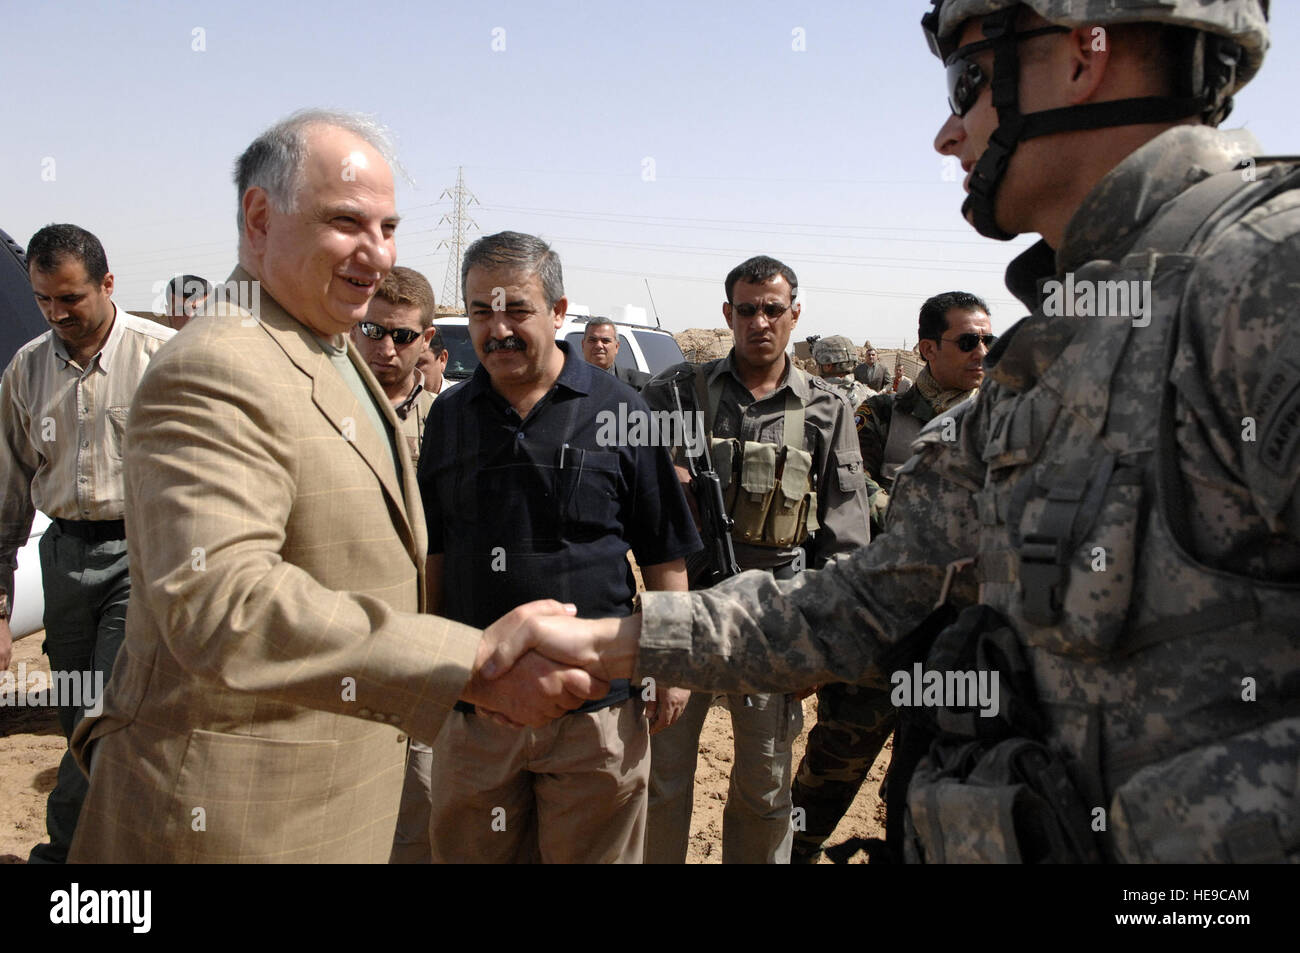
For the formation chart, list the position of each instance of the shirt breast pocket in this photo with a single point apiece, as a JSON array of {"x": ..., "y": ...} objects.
[
  {"x": 116, "y": 432},
  {"x": 589, "y": 487}
]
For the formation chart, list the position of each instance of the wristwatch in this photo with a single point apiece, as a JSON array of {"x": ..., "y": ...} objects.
[{"x": 4, "y": 605}]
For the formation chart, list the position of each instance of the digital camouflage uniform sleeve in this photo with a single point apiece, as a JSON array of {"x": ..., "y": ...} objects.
[
  {"x": 1238, "y": 374},
  {"x": 754, "y": 634}
]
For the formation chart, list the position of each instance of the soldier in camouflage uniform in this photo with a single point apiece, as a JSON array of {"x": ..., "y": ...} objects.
[
  {"x": 853, "y": 721},
  {"x": 835, "y": 356},
  {"x": 1121, "y": 501}
]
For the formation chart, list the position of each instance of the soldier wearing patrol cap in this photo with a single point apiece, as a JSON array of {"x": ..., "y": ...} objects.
[{"x": 1115, "y": 530}]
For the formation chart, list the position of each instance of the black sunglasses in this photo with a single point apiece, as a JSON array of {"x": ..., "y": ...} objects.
[
  {"x": 772, "y": 309},
  {"x": 966, "y": 77},
  {"x": 401, "y": 336},
  {"x": 969, "y": 341}
]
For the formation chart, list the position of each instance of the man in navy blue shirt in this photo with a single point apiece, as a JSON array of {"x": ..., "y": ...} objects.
[{"x": 535, "y": 485}]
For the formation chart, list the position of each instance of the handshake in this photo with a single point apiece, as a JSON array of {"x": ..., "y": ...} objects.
[{"x": 539, "y": 661}]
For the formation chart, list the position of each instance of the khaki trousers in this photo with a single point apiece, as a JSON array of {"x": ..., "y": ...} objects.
[
  {"x": 573, "y": 792},
  {"x": 756, "y": 821}
]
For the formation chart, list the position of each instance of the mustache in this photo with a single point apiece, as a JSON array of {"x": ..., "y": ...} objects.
[{"x": 511, "y": 343}]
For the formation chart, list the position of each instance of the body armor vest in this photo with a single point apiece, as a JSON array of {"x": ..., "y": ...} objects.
[{"x": 1159, "y": 677}]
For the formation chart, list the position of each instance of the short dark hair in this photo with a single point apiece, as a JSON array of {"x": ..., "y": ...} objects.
[
  {"x": 186, "y": 287},
  {"x": 934, "y": 313},
  {"x": 517, "y": 250},
  {"x": 759, "y": 269},
  {"x": 406, "y": 286},
  {"x": 54, "y": 243}
]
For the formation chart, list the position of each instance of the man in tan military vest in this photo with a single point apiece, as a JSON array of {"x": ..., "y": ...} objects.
[{"x": 784, "y": 446}]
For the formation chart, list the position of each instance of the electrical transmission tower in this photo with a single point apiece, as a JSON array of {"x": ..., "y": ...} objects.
[{"x": 460, "y": 223}]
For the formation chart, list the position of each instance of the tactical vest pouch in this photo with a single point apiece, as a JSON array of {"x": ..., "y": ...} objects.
[
  {"x": 725, "y": 453},
  {"x": 992, "y": 768},
  {"x": 757, "y": 486},
  {"x": 1075, "y": 539},
  {"x": 1014, "y": 789},
  {"x": 1164, "y": 814},
  {"x": 793, "y": 502}
]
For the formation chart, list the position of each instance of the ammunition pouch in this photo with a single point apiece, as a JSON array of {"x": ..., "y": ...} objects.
[
  {"x": 988, "y": 790},
  {"x": 769, "y": 489}
]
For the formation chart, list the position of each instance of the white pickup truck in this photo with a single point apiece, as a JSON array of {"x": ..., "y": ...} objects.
[{"x": 642, "y": 347}]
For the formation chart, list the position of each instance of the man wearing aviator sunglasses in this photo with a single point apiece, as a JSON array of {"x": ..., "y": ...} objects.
[{"x": 392, "y": 339}]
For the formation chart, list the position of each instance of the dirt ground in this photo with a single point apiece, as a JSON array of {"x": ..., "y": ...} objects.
[{"x": 31, "y": 746}]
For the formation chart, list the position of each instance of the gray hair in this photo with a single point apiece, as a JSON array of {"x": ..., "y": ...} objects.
[
  {"x": 275, "y": 159},
  {"x": 527, "y": 253},
  {"x": 598, "y": 323}
]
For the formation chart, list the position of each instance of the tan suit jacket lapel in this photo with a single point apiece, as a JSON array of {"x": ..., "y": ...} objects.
[{"x": 335, "y": 400}]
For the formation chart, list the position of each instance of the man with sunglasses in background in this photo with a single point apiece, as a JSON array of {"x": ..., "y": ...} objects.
[
  {"x": 783, "y": 443},
  {"x": 393, "y": 337},
  {"x": 954, "y": 335},
  {"x": 853, "y": 722}
]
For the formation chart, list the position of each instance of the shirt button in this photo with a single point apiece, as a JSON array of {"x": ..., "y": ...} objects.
[{"x": 84, "y": 444}]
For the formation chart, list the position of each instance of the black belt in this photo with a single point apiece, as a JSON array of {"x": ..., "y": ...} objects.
[{"x": 95, "y": 531}]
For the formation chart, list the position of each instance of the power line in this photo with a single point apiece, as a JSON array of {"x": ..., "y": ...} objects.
[{"x": 460, "y": 224}]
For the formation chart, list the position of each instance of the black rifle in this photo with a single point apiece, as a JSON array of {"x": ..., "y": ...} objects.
[{"x": 715, "y": 524}]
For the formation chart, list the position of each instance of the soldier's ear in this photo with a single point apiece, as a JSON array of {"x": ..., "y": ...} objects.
[
  {"x": 926, "y": 348},
  {"x": 726, "y": 313}
]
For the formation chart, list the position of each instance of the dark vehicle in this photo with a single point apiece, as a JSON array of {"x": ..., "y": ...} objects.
[{"x": 20, "y": 319}]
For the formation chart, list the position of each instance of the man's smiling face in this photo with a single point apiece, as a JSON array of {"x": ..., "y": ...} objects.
[{"x": 324, "y": 261}]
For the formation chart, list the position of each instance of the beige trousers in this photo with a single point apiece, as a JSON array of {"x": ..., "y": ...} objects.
[
  {"x": 756, "y": 821},
  {"x": 573, "y": 792}
]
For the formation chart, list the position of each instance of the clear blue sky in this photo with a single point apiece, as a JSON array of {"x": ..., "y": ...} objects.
[{"x": 821, "y": 157}]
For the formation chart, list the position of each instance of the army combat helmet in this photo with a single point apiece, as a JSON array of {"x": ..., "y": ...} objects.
[
  {"x": 837, "y": 351},
  {"x": 1223, "y": 47}
]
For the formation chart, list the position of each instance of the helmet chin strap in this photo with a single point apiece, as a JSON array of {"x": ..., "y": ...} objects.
[{"x": 1014, "y": 127}]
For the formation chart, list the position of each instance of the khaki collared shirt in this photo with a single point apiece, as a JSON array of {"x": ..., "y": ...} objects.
[
  {"x": 829, "y": 435},
  {"x": 61, "y": 429}
]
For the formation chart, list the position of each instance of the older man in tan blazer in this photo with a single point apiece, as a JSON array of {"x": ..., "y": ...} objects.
[{"x": 274, "y": 657}]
